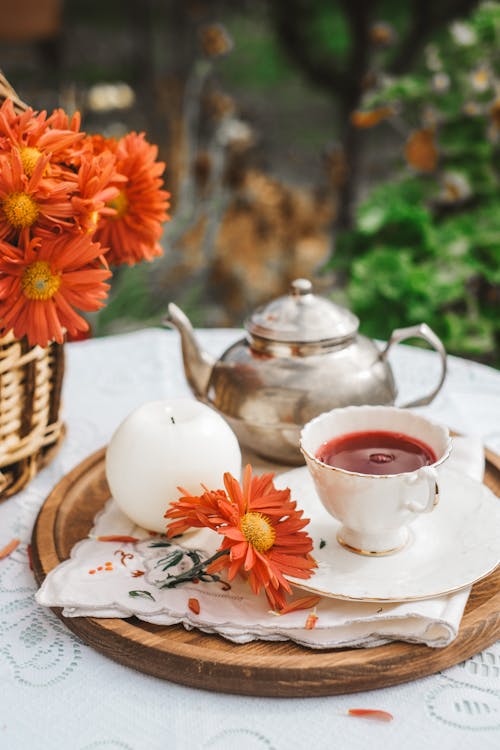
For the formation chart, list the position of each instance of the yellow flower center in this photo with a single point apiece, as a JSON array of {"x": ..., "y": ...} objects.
[
  {"x": 93, "y": 221},
  {"x": 38, "y": 281},
  {"x": 120, "y": 204},
  {"x": 29, "y": 159},
  {"x": 20, "y": 210},
  {"x": 258, "y": 531}
]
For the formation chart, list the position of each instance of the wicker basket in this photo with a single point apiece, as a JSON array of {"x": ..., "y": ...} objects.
[{"x": 30, "y": 395}]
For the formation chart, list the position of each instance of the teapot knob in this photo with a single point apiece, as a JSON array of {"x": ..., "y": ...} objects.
[{"x": 300, "y": 287}]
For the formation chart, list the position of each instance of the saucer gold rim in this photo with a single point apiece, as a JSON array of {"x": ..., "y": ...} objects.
[
  {"x": 370, "y": 553},
  {"x": 383, "y": 600}
]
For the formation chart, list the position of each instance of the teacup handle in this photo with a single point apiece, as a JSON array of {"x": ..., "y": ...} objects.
[
  {"x": 422, "y": 331},
  {"x": 430, "y": 473}
]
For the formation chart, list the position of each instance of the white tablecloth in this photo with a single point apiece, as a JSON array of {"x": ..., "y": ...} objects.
[{"x": 59, "y": 694}]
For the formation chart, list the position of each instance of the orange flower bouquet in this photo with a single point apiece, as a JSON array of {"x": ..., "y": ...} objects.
[
  {"x": 70, "y": 204},
  {"x": 262, "y": 533}
]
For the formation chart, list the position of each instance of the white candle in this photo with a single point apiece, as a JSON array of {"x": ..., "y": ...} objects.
[{"x": 164, "y": 445}]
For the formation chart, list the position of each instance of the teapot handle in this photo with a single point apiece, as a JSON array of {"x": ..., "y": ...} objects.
[{"x": 421, "y": 331}]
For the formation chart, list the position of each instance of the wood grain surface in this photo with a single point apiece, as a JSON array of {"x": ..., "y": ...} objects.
[{"x": 259, "y": 668}]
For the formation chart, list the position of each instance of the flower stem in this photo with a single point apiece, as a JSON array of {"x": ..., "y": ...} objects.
[{"x": 197, "y": 571}]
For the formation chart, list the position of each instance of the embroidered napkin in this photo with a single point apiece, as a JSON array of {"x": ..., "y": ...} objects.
[{"x": 121, "y": 579}]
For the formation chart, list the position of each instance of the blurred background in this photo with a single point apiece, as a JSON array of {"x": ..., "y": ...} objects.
[{"x": 353, "y": 142}]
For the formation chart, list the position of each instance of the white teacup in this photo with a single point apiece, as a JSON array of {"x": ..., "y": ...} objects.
[{"x": 374, "y": 509}]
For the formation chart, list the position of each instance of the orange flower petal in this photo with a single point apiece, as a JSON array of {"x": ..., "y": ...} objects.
[
  {"x": 194, "y": 606},
  {"x": 311, "y": 621},
  {"x": 306, "y": 602},
  {"x": 239, "y": 551},
  {"x": 9, "y": 548},
  {"x": 249, "y": 557},
  {"x": 370, "y": 713}
]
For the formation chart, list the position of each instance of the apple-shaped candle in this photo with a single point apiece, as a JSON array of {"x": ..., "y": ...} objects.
[{"x": 164, "y": 445}]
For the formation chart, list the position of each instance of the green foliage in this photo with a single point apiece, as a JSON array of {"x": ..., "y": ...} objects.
[
  {"x": 130, "y": 301},
  {"x": 259, "y": 64},
  {"x": 407, "y": 265},
  {"x": 329, "y": 29},
  {"x": 394, "y": 284},
  {"x": 427, "y": 246}
]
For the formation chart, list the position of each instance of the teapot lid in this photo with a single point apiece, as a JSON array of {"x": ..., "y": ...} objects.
[{"x": 302, "y": 317}]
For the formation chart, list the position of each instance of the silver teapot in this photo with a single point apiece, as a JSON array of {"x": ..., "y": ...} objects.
[{"x": 302, "y": 355}]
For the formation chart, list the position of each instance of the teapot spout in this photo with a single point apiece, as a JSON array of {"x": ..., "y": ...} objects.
[{"x": 198, "y": 364}]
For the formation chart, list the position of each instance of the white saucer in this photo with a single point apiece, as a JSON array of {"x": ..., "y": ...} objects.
[{"x": 451, "y": 548}]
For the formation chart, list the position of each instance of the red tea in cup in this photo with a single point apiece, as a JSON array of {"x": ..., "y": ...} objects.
[{"x": 376, "y": 452}]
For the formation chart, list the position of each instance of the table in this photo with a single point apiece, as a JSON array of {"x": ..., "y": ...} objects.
[{"x": 57, "y": 693}]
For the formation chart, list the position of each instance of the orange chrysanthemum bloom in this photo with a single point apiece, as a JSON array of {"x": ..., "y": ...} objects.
[
  {"x": 98, "y": 183},
  {"x": 42, "y": 282},
  {"x": 30, "y": 202},
  {"x": 133, "y": 233},
  {"x": 262, "y": 530},
  {"x": 96, "y": 143},
  {"x": 60, "y": 120},
  {"x": 34, "y": 136}
]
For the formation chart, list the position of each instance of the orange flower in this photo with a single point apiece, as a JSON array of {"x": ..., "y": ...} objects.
[
  {"x": 420, "y": 151},
  {"x": 98, "y": 183},
  {"x": 60, "y": 120},
  {"x": 43, "y": 280},
  {"x": 34, "y": 135},
  {"x": 29, "y": 202},
  {"x": 95, "y": 144},
  {"x": 61, "y": 192},
  {"x": 262, "y": 530},
  {"x": 133, "y": 232}
]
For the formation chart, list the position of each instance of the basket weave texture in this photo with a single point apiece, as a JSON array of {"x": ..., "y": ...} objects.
[{"x": 30, "y": 395}]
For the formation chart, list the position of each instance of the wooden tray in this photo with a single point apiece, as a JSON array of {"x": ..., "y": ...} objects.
[{"x": 259, "y": 668}]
